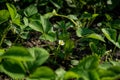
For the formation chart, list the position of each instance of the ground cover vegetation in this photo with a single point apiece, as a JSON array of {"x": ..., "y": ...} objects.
[{"x": 59, "y": 39}]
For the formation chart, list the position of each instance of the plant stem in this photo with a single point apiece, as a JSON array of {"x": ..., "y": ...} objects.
[
  {"x": 4, "y": 35},
  {"x": 114, "y": 50},
  {"x": 68, "y": 18},
  {"x": 56, "y": 52}
]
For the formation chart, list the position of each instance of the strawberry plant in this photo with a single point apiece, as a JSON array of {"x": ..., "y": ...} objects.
[
  {"x": 59, "y": 39},
  {"x": 21, "y": 63}
]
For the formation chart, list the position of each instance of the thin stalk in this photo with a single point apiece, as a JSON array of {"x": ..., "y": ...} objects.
[
  {"x": 4, "y": 35},
  {"x": 90, "y": 23},
  {"x": 56, "y": 52},
  {"x": 114, "y": 50},
  {"x": 67, "y": 18}
]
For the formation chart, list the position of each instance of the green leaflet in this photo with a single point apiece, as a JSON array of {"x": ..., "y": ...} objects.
[
  {"x": 81, "y": 32},
  {"x": 4, "y": 15},
  {"x": 96, "y": 36},
  {"x": 111, "y": 35},
  {"x": 42, "y": 72},
  {"x": 30, "y": 10},
  {"x": 60, "y": 73},
  {"x": 40, "y": 55},
  {"x": 18, "y": 53},
  {"x": 13, "y": 13},
  {"x": 71, "y": 75},
  {"x": 99, "y": 50},
  {"x": 87, "y": 33},
  {"x": 13, "y": 68},
  {"x": 87, "y": 64},
  {"x": 43, "y": 25}
]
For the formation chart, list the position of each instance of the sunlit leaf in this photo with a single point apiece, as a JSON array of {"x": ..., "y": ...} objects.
[
  {"x": 36, "y": 25},
  {"x": 18, "y": 53},
  {"x": 13, "y": 69},
  {"x": 4, "y": 15},
  {"x": 95, "y": 15},
  {"x": 51, "y": 36},
  {"x": 111, "y": 35},
  {"x": 71, "y": 75},
  {"x": 13, "y": 13},
  {"x": 60, "y": 72},
  {"x": 99, "y": 50},
  {"x": 81, "y": 32},
  {"x": 12, "y": 10},
  {"x": 93, "y": 75},
  {"x": 55, "y": 4},
  {"x": 96, "y": 36},
  {"x": 42, "y": 72},
  {"x": 45, "y": 24},
  {"x": 40, "y": 55},
  {"x": 86, "y": 64},
  {"x": 74, "y": 17},
  {"x": 30, "y": 10},
  {"x": 105, "y": 73},
  {"x": 93, "y": 47}
]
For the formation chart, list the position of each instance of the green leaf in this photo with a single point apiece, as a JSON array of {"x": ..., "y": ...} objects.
[
  {"x": 86, "y": 64},
  {"x": 41, "y": 24},
  {"x": 74, "y": 17},
  {"x": 45, "y": 24},
  {"x": 81, "y": 32},
  {"x": 115, "y": 24},
  {"x": 18, "y": 53},
  {"x": 55, "y": 4},
  {"x": 40, "y": 55},
  {"x": 60, "y": 72},
  {"x": 108, "y": 17},
  {"x": 69, "y": 45},
  {"x": 85, "y": 32},
  {"x": 108, "y": 78},
  {"x": 12, "y": 10},
  {"x": 36, "y": 25},
  {"x": 4, "y": 15},
  {"x": 86, "y": 15},
  {"x": 105, "y": 65},
  {"x": 93, "y": 75},
  {"x": 96, "y": 36},
  {"x": 48, "y": 15},
  {"x": 111, "y": 35},
  {"x": 30, "y": 10},
  {"x": 26, "y": 21},
  {"x": 43, "y": 72},
  {"x": 97, "y": 49},
  {"x": 2, "y": 51},
  {"x": 71, "y": 75},
  {"x": 13, "y": 69},
  {"x": 95, "y": 15},
  {"x": 105, "y": 73},
  {"x": 115, "y": 69},
  {"x": 24, "y": 35},
  {"x": 51, "y": 36},
  {"x": 14, "y": 15},
  {"x": 89, "y": 62},
  {"x": 93, "y": 47}
]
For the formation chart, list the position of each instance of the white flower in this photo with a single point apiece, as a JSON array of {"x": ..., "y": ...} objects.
[
  {"x": 109, "y": 2},
  {"x": 61, "y": 42}
]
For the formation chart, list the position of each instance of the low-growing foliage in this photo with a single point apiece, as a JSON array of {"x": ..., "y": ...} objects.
[{"x": 67, "y": 31}]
